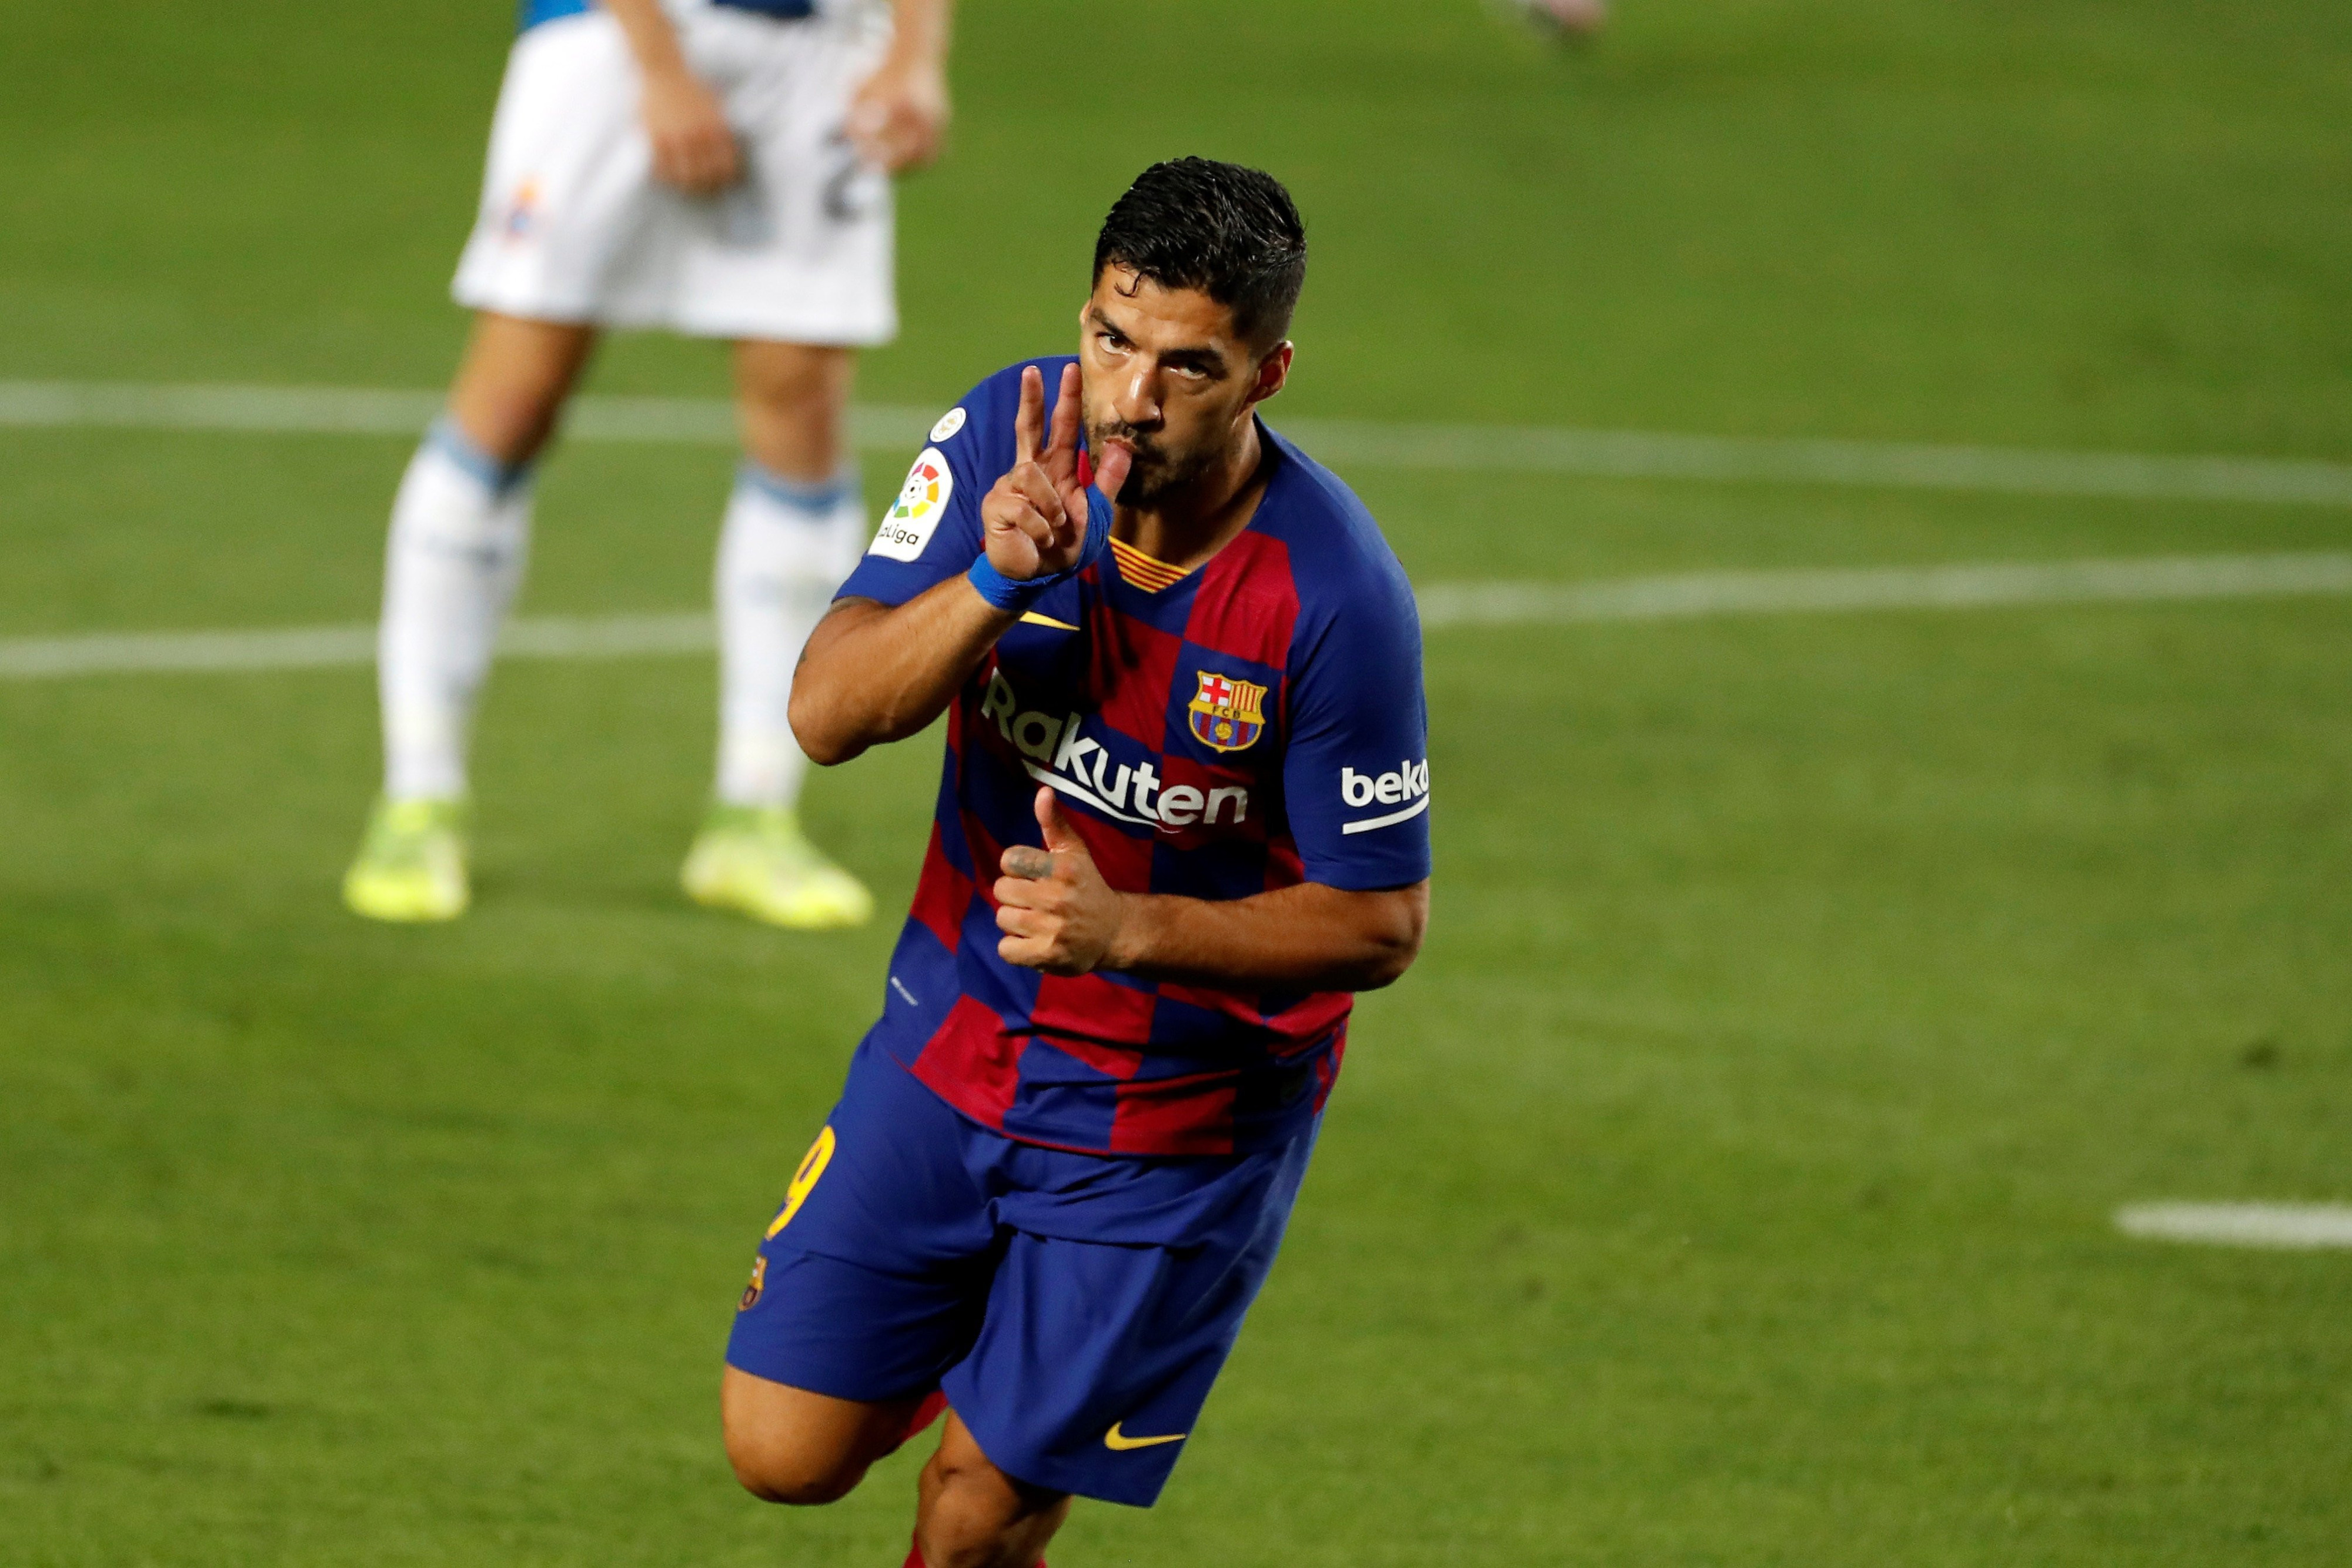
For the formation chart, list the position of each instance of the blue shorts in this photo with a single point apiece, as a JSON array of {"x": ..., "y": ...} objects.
[{"x": 1074, "y": 1307}]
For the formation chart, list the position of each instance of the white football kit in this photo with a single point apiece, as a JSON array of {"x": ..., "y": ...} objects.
[{"x": 574, "y": 228}]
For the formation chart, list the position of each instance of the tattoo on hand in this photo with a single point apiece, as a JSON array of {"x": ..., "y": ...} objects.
[{"x": 1024, "y": 861}]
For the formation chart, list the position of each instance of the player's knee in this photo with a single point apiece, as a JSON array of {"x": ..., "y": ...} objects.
[
  {"x": 767, "y": 370},
  {"x": 973, "y": 1515},
  {"x": 775, "y": 1468}
]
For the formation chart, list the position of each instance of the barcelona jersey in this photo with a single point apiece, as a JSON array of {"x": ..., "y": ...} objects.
[{"x": 1244, "y": 727}]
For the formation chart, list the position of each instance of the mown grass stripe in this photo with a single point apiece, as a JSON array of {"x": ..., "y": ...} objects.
[
  {"x": 1344, "y": 443},
  {"x": 1443, "y": 605}
]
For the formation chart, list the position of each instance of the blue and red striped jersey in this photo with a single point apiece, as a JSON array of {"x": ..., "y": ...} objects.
[{"x": 1246, "y": 725}]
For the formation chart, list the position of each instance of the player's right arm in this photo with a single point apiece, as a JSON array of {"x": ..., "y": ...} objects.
[
  {"x": 694, "y": 146},
  {"x": 878, "y": 672},
  {"x": 873, "y": 672}
]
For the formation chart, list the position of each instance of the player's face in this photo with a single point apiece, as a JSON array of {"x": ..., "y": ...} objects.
[{"x": 1167, "y": 377}]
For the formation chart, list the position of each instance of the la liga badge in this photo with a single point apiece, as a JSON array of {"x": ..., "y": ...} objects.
[
  {"x": 1226, "y": 714},
  {"x": 922, "y": 502}
]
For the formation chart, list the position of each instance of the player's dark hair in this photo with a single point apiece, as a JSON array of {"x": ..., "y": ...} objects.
[{"x": 1229, "y": 232}]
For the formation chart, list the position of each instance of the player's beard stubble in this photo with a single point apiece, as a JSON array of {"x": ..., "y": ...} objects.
[{"x": 1157, "y": 473}]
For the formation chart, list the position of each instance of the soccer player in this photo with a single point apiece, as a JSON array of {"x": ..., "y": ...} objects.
[
  {"x": 1184, "y": 816},
  {"x": 1567, "y": 19},
  {"x": 719, "y": 167}
]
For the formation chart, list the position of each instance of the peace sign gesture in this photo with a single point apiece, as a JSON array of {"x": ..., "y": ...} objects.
[{"x": 1034, "y": 519}]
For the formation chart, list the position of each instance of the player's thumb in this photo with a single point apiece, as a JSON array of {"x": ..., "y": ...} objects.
[
  {"x": 1060, "y": 837},
  {"x": 1117, "y": 461}
]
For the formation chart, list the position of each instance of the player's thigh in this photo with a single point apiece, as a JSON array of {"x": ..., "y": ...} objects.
[
  {"x": 788, "y": 92},
  {"x": 793, "y": 1445},
  {"x": 570, "y": 224},
  {"x": 801, "y": 251},
  {"x": 1094, "y": 1359},
  {"x": 512, "y": 382},
  {"x": 871, "y": 1279}
]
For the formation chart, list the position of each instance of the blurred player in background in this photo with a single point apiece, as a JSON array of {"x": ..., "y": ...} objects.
[
  {"x": 1573, "y": 19},
  {"x": 1183, "y": 817},
  {"x": 719, "y": 167}
]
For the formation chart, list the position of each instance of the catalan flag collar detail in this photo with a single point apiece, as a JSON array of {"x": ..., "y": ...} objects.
[{"x": 1146, "y": 572}]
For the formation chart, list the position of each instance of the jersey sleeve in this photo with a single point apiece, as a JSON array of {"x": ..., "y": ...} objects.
[
  {"x": 931, "y": 532},
  {"x": 1356, "y": 776}
]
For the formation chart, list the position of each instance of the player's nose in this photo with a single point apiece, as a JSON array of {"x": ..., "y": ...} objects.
[{"x": 1137, "y": 402}]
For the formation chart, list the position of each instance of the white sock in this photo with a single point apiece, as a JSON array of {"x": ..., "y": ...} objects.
[
  {"x": 786, "y": 546},
  {"x": 460, "y": 531}
]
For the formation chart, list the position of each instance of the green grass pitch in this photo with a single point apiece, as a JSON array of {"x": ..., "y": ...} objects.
[{"x": 1730, "y": 1182}]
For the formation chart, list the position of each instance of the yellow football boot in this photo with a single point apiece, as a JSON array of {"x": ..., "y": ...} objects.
[
  {"x": 756, "y": 860},
  {"x": 412, "y": 862}
]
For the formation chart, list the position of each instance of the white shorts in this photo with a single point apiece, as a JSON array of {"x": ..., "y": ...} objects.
[{"x": 574, "y": 228}]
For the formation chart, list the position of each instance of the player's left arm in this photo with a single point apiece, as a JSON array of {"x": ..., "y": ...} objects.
[
  {"x": 1058, "y": 915},
  {"x": 900, "y": 114},
  {"x": 693, "y": 146}
]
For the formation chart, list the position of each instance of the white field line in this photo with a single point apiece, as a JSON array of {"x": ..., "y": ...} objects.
[
  {"x": 1885, "y": 588},
  {"x": 2303, "y": 1226},
  {"x": 1443, "y": 605},
  {"x": 325, "y": 647},
  {"x": 1344, "y": 443},
  {"x": 363, "y": 411}
]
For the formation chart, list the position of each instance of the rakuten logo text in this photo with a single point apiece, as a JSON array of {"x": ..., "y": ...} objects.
[{"x": 1080, "y": 767}]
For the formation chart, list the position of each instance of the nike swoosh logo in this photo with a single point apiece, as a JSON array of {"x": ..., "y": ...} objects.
[
  {"x": 1032, "y": 618},
  {"x": 1120, "y": 1443}
]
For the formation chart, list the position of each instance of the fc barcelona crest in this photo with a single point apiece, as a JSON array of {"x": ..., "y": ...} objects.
[{"x": 1228, "y": 714}]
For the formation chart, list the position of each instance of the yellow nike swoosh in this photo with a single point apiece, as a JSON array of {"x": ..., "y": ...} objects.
[
  {"x": 1114, "y": 1441},
  {"x": 1034, "y": 619}
]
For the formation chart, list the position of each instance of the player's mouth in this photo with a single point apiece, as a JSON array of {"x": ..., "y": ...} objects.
[
  {"x": 1145, "y": 462},
  {"x": 1139, "y": 452}
]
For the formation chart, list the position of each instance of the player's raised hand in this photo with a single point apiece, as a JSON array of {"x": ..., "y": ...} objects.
[
  {"x": 1056, "y": 911},
  {"x": 694, "y": 146},
  {"x": 1034, "y": 519}
]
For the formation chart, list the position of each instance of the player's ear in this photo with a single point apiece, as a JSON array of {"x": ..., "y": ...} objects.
[{"x": 1273, "y": 371}]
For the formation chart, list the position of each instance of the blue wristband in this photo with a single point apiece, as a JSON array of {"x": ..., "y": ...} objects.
[{"x": 1013, "y": 595}]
